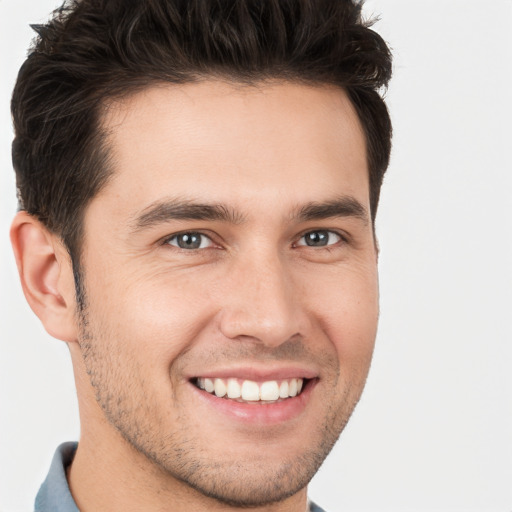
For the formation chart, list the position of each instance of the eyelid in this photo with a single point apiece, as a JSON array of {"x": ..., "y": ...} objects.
[
  {"x": 167, "y": 239},
  {"x": 342, "y": 237}
]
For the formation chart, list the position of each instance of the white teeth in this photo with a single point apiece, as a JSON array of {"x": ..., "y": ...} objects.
[
  {"x": 234, "y": 389},
  {"x": 283, "y": 389},
  {"x": 292, "y": 390},
  {"x": 220, "y": 388},
  {"x": 251, "y": 391},
  {"x": 269, "y": 390},
  {"x": 208, "y": 385}
]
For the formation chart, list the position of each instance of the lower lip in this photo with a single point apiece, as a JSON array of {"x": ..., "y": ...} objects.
[{"x": 258, "y": 412}]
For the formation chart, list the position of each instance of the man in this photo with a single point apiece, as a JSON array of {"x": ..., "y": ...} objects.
[{"x": 198, "y": 184}]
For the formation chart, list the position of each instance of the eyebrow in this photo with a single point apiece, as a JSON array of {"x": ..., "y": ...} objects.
[
  {"x": 180, "y": 209},
  {"x": 344, "y": 206}
]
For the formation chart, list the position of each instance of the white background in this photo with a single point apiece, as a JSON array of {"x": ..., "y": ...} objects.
[{"x": 433, "y": 431}]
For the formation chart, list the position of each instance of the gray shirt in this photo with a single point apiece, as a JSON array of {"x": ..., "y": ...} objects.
[{"x": 55, "y": 496}]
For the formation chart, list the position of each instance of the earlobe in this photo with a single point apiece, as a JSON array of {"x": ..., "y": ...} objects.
[{"x": 46, "y": 275}]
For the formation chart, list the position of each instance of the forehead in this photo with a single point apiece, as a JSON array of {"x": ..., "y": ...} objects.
[{"x": 220, "y": 141}]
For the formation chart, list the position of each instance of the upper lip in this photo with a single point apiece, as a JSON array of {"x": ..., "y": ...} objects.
[{"x": 258, "y": 374}]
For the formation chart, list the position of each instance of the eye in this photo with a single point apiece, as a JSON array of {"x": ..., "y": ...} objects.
[
  {"x": 190, "y": 240},
  {"x": 319, "y": 238}
]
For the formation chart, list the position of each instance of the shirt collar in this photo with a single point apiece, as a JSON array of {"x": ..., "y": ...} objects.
[{"x": 54, "y": 494}]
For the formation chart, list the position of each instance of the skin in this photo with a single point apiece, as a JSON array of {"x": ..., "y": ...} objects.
[{"x": 254, "y": 296}]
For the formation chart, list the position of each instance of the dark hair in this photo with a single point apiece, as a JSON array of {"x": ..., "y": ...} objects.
[{"x": 95, "y": 50}]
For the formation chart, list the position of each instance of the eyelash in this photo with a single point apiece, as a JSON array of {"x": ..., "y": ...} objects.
[
  {"x": 168, "y": 240},
  {"x": 341, "y": 238},
  {"x": 330, "y": 232}
]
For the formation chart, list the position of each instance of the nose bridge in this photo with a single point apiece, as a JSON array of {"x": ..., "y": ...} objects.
[{"x": 261, "y": 302}]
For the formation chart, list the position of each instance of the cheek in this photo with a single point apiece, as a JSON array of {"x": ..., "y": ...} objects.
[
  {"x": 347, "y": 309},
  {"x": 153, "y": 317}
]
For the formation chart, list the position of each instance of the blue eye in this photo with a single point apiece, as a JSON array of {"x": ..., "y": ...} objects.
[
  {"x": 190, "y": 240},
  {"x": 319, "y": 238}
]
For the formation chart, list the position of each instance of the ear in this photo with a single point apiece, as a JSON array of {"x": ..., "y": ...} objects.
[{"x": 46, "y": 275}]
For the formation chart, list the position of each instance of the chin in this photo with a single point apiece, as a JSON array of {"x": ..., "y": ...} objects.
[{"x": 256, "y": 484}]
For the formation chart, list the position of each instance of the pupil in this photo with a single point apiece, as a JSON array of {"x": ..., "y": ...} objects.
[
  {"x": 189, "y": 241},
  {"x": 317, "y": 238}
]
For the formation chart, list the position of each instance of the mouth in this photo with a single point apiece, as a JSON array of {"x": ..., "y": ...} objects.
[
  {"x": 256, "y": 397},
  {"x": 250, "y": 391}
]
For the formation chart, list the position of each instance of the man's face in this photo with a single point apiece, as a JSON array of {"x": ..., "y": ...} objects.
[{"x": 232, "y": 247}]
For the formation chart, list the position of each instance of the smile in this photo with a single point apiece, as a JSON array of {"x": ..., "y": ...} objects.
[{"x": 251, "y": 391}]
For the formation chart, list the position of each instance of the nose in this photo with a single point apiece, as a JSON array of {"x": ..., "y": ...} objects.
[{"x": 262, "y": 303}]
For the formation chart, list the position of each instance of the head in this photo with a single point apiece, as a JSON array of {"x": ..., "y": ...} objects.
[
  {"x": 212, "y": 170},
  {"x": 94, "y": 52}
]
